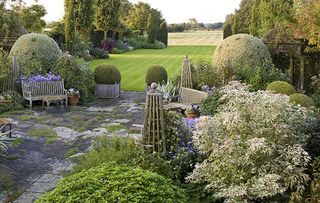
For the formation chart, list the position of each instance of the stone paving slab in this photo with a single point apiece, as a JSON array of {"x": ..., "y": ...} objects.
[{"x": 28, "y": 197}]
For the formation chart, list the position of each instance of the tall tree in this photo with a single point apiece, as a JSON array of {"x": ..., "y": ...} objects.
[
  {"x": 138, "y": 16},
  {"x": 125, "y": 8},
  {"x": 192, "y": 23},
  {"x": 151, "y": 28},
  {"x": 69, "y": 10},
  {"x": 163, "y": 33},
  {"x": 107, "y": 15},
  {"x": 308, "y": 17},
  {"x": 83, "y": 16},
  {"x": 31, "y": 17}
]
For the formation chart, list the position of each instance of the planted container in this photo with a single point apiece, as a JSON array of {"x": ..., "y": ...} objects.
[{"x": 107, "y": 78}]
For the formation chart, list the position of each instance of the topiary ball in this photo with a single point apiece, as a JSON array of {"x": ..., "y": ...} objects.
[
  {"x": 281, "y": 87},
  {"x": 115, "y": 183},
  {"x": 156, "y": 74},
  {"x": 107, "y": 74},
  {"x": 240, "y": 50},
  {"x": 301, "y": 99},
  {"x": 36, "y": 53}
]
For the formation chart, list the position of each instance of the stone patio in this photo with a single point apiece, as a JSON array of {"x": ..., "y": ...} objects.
[{"x": 39, "y": 160}]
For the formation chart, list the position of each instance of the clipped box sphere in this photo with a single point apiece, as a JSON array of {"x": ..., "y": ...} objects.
[
  {"x": 240, "y": 50},
  {"x": 107, "y": 74},
  {"x": 301, "y": 99},
  {"x": 36, "y": 51},
  {"x": 281, "y": 87},
  {"x": 156, "y": 74}
]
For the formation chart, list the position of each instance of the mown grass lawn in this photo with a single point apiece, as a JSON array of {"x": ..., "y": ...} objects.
[{"x": 133, "y": 65}]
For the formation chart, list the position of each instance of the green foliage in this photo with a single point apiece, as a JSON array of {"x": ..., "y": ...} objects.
[
  {"x": 259, "y": 77},
  {"x": 257, "y": 151},
  {"x": 107, "y": 74},
  {"x": 76, "y": 74},
  {"x": 71, "y": 151},
  {"x": 204, "y": 74},
  {"x": 31, "y": 17},
  {"x": 156, "y": 45},
  {"x": 57, "y": 32},
  {"x": 112, "y": 183},
  {"x": 107, "y": 14},
  {"x": 302, "y": 100},
  {"x": 36, "y": 53},
  {"x": 99, "y": 53},
  {"x": 138, "y": 16},
  {"x": 5, "y": 63},
  {"x": 281, "y": 87},
  {"x": 315, "y": 184},
  {"x": 153, "y": 25},
  {"x": 239, "y": 51},
  {"x": 210, "y": 105},
  {"x": 163, "y": 33},
  {"x": 83, "y": 16},
  {"x": 123, "y": 151},
  {"x": 156, "y": 74},
  {"x": 116, "y": 51},
  {"x": 69, "y": 18},
  {"x": 169, "y": 90},
  {"x": 17, "y": 103}
]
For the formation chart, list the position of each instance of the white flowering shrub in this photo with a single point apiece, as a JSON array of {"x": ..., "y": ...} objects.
[
  {"x": 240, "y": 51},
  {"x": 253, "y": 146},
  {"x": 36, "y": 53}
]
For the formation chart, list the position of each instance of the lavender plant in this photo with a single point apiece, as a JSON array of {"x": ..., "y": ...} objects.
[
  {"x": 42, "y": 78},
  {"x": 254, "y": 146}
]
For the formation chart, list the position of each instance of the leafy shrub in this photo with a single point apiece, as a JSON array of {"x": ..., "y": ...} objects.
[
  {"x": 240, "y": 50},
  {"x": 253, "y": 146},
  {"x": 17, "y": 103},
  {"x": 116, "y": 51},
  {"x": 122, "y": 45},
  {"x": 4, "y": 63},
  {"x": 210, "y": 105},
  {"x": 108, "y": 44},
  {"x": 156, "y": 45},
  {"x": 76, "y": 74},
  {"x": 259, "y": 77},
  {"x": 204, "y": 74},
  {"x": 122, "y": 151},
  {"x": 112, "y": 183},
  {"x": 107, "y": 74},
  {"x": 36, "y": 53},
  {"x": 156, "y": 74},
  {"x": 301, "y": 99},
  {"x": 99, "y": 53},
  {"x": 281, "y": 87},
  {"x": 315, "y": 184},
  {"x": 135, "y": 42}
]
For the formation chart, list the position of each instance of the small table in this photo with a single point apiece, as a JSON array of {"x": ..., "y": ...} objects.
[
  {"x": 3, "y": 124},
  {"x": 53, "y": 99}
]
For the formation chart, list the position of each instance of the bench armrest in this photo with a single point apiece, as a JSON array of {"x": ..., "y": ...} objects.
[{"x": 26, "y": 94}]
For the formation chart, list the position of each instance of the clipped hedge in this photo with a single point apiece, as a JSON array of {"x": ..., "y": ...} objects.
[
  {"x": 36, "y": 53},
  {"x": 107, "y": 74},
  {"x": 156, "y": 74},
  {"x": 301, "y": 99},
  {"x": 114, "y": 183},
  {"x": 240, "y": 50},
  {"x": 281, "y": 87}
]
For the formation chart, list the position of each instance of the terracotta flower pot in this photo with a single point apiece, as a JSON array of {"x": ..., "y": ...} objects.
[
  {"x": 191, "y": 116},
  {"x": 73, "y": 100}
]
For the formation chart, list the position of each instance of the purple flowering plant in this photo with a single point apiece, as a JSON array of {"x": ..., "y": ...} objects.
[{"x": 41, "y": 78}]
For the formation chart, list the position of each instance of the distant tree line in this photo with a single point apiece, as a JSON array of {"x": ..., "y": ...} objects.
[{"x": 192, "y": 24}]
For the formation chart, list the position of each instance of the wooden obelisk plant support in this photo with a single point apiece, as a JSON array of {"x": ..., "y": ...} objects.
[
  {"x": 186, "y": 75},
  {"x": 154, "y": 139}
]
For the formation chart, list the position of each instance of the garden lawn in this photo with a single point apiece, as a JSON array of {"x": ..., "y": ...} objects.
[
  {"x": 133, "y": 65},
  {"x": 195, "y": 38}
]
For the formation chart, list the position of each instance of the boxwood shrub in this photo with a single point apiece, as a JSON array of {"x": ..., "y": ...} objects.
[
  {"x": 156, "y": 74},
  {"x": 114, "y": 183},
  {"x": 301, "y": 99},
  {"x": 36, "y": 53},
  {"x": 107, "y": 74},
  {"x": 281, "y": 87}
]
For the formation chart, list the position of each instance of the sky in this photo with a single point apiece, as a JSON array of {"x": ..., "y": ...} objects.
[{"x": 174, "y": 11}]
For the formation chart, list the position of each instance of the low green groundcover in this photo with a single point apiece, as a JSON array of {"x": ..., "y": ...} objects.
[{"x": 114, "y": 183}]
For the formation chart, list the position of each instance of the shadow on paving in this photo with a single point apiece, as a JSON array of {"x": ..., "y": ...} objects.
[{"x": 44, "y": 139}]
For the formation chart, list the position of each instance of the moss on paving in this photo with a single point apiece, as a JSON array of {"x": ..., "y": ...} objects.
[
  {"x": 45, "y": 133},
  {"x": 16, "y": 142},
  {"x": 71, "y": 151},
  {"x": 114, "y": 128},
  {"x": 7, "y": 182}
]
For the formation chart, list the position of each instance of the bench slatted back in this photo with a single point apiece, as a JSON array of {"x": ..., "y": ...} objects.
[
  {"x": 191, "y": 96},
  {"x": 44, "y": 88}
]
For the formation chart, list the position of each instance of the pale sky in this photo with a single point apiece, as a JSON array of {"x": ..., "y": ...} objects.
[{"x": 174, "y": 11}]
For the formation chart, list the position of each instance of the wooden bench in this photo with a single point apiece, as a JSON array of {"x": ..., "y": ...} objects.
[
  {"x": 36, "y": 91},
  {"x": 187, "y": 98}
]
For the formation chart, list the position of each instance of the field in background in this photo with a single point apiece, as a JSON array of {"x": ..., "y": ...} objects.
[
  {"x": 196, "y": 38},
  {"x": 133, "y": 65}
]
